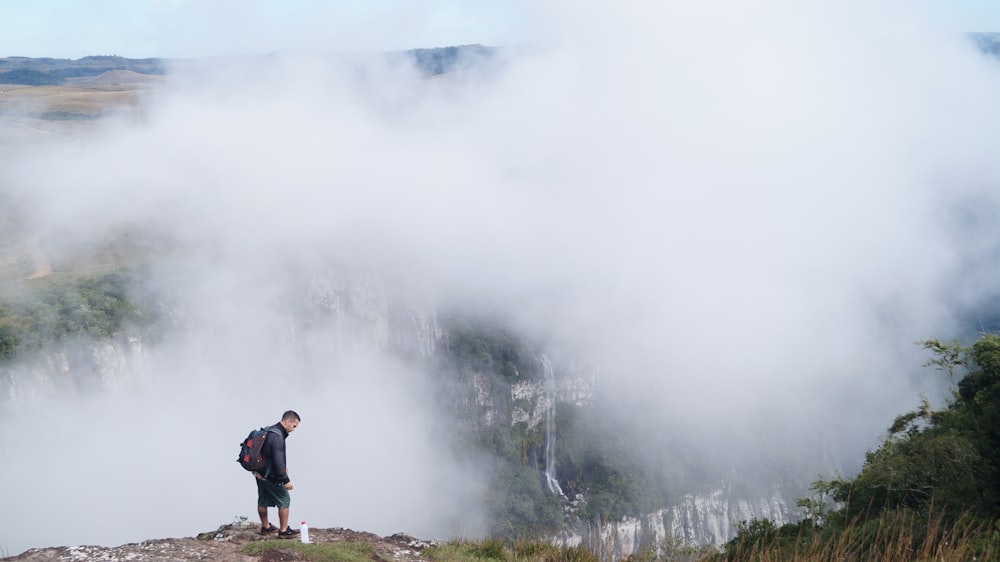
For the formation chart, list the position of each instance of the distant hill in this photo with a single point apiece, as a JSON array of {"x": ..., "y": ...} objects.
[
  {"x": 29, "y": 77},
  {"x": 115, "y": 78},
  {"x": 53, "y": 72},
  {"x": 447, "y": 59},
  {"x": 988, "y": 43}
]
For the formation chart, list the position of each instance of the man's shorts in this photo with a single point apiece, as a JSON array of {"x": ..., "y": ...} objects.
[{"x": 272, "y": 494}]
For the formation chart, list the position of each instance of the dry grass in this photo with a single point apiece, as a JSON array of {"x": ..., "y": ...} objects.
[
  {"x": 73, "y": 101},
  {"x": 497, "y": 550},
  {"x": 64, "y": 116},
  {"x": 894, "y": 537}
]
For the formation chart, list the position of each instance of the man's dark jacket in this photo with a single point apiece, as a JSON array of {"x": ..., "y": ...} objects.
[{"x": 274, "y": 452}]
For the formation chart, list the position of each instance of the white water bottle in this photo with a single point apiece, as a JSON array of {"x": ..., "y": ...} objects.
[{"x": 305, "y": 533}]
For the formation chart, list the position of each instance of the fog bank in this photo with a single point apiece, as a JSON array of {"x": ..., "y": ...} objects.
[{"x": 747, "y": 215}]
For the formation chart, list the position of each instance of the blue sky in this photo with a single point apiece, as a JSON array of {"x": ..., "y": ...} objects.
[
  {"x": 964, "y": 15},
  {"x": 192, "y": 28},
  {"x": 188, "y": 28}
]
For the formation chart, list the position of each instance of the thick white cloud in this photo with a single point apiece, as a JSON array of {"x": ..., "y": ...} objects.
[{"x": 742, "y": 212}]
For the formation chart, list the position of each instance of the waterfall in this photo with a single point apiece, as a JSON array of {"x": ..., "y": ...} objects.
[{"x": 550, "y": 428}]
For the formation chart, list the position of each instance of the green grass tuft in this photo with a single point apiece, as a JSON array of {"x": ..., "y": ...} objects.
[
  {"x": 496, "y": 549},
  {"x": 317, "y": 552}
]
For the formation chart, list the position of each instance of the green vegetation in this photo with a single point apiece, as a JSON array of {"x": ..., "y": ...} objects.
[
  {"x": 498, "y": 550},
  {"x": 931, "y": 491},
  {"x": 591, "y": 456},
  {"x": 487, "y": 347},
  {"x": 318, "y": 552},
  {"x": 98, "y": 307},
  {"x": 454, "y": 551},
  {"x": 893, "y": 536},
  {"x": 891, "y": 539},
  {"x": 946, "y": 460},
  {"x": 617, "y": 478},
  {"x": 29, "y": 77},
  {"x": 67, "y": 116},
  {"x": 519, "y": 504},
  {"x": 37, "y": 71}
]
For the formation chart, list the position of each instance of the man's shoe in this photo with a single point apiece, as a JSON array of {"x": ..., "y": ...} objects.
[
  {"x": 288, "y": 533},
  {"x": 269, "y": 529}
]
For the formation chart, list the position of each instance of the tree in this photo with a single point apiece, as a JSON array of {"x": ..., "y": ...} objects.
[
  {"x": 9, "y": 341},
  {"x": 946, "y": 459}
]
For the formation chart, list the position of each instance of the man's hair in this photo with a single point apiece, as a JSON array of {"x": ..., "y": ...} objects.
[{"x": 290, "y": 415}]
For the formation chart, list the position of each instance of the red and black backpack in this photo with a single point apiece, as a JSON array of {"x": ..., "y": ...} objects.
[{"x": 252, "y": 450}]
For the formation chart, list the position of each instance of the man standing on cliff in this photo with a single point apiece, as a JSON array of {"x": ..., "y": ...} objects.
[{"x": 274, "y": 484}]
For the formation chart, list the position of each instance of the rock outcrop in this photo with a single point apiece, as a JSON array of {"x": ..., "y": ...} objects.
[{"x": 226, "y": 544}]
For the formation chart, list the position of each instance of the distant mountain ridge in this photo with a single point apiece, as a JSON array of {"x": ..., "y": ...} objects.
[
  {"x": 52, "y": 72},
  {"x": 988, "y": 43},
  {"x": 434, "y": 61}
]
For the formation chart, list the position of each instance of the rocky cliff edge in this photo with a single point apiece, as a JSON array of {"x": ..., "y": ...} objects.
[{"x": 226, "y": 544}]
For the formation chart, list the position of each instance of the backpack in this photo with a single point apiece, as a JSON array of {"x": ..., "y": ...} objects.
[{"x": 252, "y": 450}]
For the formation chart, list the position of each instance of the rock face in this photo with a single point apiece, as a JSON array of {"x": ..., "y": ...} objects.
[
  {"x": 530, "y": 400},
  {"x": 489, "y": 400},
  {"x": 75, "y": 366},
  {"x": 405, "y": 324},
  {"x": 712, "y": 519},
  {"x": 707, "y": 519}
]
